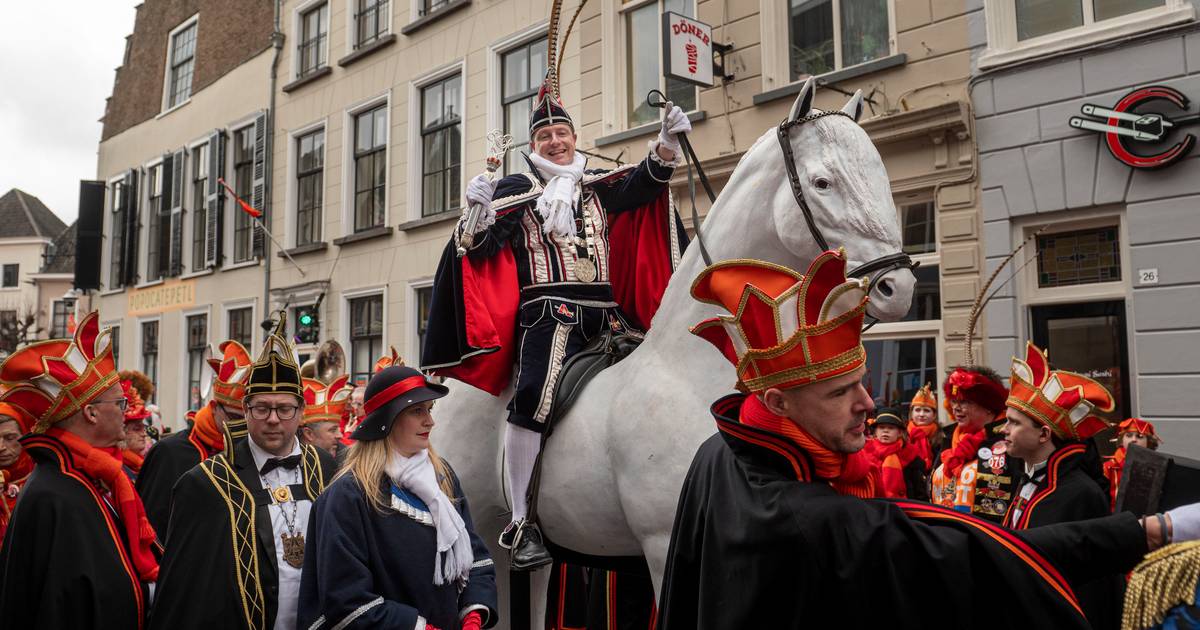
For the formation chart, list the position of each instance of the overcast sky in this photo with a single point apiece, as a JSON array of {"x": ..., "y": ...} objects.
[{"x": 56, "y": 69}]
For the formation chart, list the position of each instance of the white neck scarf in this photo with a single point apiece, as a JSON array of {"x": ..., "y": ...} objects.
[
  {"x": 557, "y": 203},
  {"x": 454, "y": 555}
]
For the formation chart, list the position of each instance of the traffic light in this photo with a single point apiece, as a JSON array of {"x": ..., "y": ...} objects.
[{"x": 308, "y": 325}]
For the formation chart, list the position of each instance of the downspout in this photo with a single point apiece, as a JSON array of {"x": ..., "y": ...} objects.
[{"x": 269, "y": 161}]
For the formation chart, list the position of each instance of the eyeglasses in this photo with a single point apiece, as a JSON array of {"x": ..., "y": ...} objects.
[
  {"x": 283, "y": 412},
  {"x": 121, "y": 403}
]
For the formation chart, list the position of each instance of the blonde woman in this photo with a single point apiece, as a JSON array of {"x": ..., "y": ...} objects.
[{"x": 391, "y": 543}]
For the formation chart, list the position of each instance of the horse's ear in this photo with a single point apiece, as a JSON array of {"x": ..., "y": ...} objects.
[
  {"x": 854, "y": 106},
  {"x": 804, "y": 100}
]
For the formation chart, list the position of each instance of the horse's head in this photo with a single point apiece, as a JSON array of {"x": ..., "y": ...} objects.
[{"x": 846, "y": 187}]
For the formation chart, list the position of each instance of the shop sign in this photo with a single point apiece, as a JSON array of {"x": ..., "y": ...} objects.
[
  {"x": 687, "y": 49},
  {"x": 169, "y": 296},
  {"x": 1142, "y": 139}
]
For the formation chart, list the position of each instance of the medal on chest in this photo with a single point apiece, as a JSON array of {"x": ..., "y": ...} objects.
[
  {"x": 585, "y": 270},
  {"x": 292, "y": 540},
  {"x": 293, "y": 549}
]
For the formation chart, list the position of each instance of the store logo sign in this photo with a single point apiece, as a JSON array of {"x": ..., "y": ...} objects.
[{"x": 1141, "y": 139}]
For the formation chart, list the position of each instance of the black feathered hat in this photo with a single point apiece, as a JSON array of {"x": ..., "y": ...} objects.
[{"x": 548, "y": 108}]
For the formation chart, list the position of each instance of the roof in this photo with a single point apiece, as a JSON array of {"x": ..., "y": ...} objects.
[
  {"x": 60, "y": 256},
  {"x": 22, "y": 214}
]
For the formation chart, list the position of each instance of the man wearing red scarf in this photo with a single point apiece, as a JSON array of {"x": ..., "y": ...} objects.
[
  {"x": 15, "y": 463},
  {"x": 772, "y": 529},
  {"x": 79, "y": 551},
  {"x": 180, "y": 452},
  {"x": 975, "y": 474},
  {"x": 1131, "y": 431},
  {"x": 134, "y": 444}
]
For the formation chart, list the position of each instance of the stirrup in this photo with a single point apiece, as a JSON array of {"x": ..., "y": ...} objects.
[{"x": 509, "y": 535}]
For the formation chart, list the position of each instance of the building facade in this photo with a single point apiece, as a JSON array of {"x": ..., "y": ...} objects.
[
  {"x": 34, "y": 298},
  {"x": 1107, "y": 280}
]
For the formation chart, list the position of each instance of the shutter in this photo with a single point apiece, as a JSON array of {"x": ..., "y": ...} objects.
[
  {"x": 258, "y": 194},
  {"x": 215, "y": 199},
  {"x": 129, "y": 206},
  {"x": 176, "y": 205},
  {"x": 160, "y": 223}
]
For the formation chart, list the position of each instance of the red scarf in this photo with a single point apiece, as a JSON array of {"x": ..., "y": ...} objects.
[
  {"x": 1112, "y": 471},
  {"x": 104, "y": 464},
  {"x": 848, "y": 474},
  {"x": 964, "y": 448},
  {"x": 133, "y": 460},
  {"x": 921, "y": 436},
  {"x": 205, "y": 428},
  {"x": 891, "y": 460}
]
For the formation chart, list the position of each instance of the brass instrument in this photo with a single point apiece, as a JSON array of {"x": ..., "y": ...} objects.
[{"x": 330, "y": 362}]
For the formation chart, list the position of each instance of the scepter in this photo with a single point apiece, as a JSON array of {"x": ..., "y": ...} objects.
[{"x": 498, "y": 144}]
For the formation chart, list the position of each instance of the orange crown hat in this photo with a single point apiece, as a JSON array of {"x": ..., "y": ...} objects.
[
  {"x": 925, "y": 398},
  {"x": 52, "y": 380},
  {"x": 1064, "y": 401},
  {"x": 135, "y": 410},
  {"x": 786, "y": 329},
  {"x": 24, "y": 420},
  {"x": 326, "y": 403},
  {"x": 1136, "y": 425},
  {"x": 388, "y": 360},
  {"x": 229, "y": 387}
]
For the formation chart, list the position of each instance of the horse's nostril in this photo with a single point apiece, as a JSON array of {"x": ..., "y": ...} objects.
[{"x": 885, "y": 288}]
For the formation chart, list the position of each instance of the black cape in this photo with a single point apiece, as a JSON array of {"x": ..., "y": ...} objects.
[
  {"x": 165, "y": 464},
  {"x": 1074, "y": 489},
  {"x": 65, "y": 562},
  {"x": 348, "y": 577},
  {"x": 199, "y": 582},
  {"x": 758, "y": 542}
]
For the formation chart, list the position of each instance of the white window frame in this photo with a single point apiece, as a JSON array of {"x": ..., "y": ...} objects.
[
  {"x": 343, "y": 334},
  {"x": 1003, "y": 47},
  {"x": 230, "y": 220},
  {"x": 348, "y": 168},
  {"x": 416, "y": 149},
  {"x": 234, "y": 305},
  {"x": 17, "y": 284},
  {"x": 412, "y": 347},
  {"x": 776, "y": 65},
  {"x": 143, "y": 262},
  {"x": 939, "y": 343},
  {"x": 166, "y": 94},
  {"x": 1033, "y": 295},
  {"x": 298, "y": 30},
  {"x": 292, "y": 190},
  {"x": 495, "y": 74},
  {"x": 613, "y": 72},
  {"x": 352, "y": 25},
  {"x": 206, "y": 311},
  {"x": 141, "y": 366},
  {"x": 189, "y": 211},
  {"x": 106, "y": 255},
  {"x": 119, "y": 325}
]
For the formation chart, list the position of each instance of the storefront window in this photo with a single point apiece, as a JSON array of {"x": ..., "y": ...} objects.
[
  {"x": 897, "y": 368},
  {"x": 1079, "y": 257}
]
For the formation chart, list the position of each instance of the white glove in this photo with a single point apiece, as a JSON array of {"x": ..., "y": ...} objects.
[
  {"x": 480, "y": 190},
  {"x": 674, "y": 123},
  {"x": 1185, "y": 523}
]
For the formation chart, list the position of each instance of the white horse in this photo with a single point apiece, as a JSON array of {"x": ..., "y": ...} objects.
[{"x": 613, "y": 469}]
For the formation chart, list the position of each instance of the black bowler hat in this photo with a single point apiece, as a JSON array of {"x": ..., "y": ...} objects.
[
  {"x": 388, "y": 393},
  {"x": 888, "y": 415}
]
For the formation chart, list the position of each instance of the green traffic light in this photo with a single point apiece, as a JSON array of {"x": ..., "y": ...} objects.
[{"x": 306, "y": 319}]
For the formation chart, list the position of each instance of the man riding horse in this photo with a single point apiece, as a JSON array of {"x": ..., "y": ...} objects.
[{"x": 563, "y": 254}]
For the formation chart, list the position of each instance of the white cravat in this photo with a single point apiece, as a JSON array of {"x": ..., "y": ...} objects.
[{"x": 289, "y": 576}]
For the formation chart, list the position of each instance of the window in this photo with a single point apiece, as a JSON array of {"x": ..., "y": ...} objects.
[
  {"x": 370, "y": 168},
  {"x": 643, "y": 51},
  {"x": 897, "y": 368},
  {"x": 927, "y": 294},
  {"x": 366, "y": 335},
  {"x": 425, "y": 7},
  {"x": 424, "y": 303},
  {"x": 522, "y": 71},
  {"x": 182, "y": 60},
  {"x": 314, "y": 39},
  {"x": 199, "y": 205},
  {"x": 197, "y": 341},
  {"x": 371, "y": 20},
  {"x": 917, "y": 223},
  {"x": 10, "y": 331},
  {"x": 827, "y": 35},
  {"x": 241, "y": 328},
  {"x": 60, "y": 318},
  {"x": 441, "y": 145},
  {"x": 115, "y": 257},
  {"x": 116, "y": 345},
  {"x": 150, "y": 351},
  {"x": 310, "y": 163},
  {"x": 10, "y": 274},
  {"x": 243, "y": 179},
  {"x": 1079, "y": 257},
  {"x": 154, "y": 249},
  {"x": 1035, "y": 18}
]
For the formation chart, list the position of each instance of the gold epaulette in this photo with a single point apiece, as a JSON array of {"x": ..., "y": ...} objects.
[{"x": 1165, "y": 579}]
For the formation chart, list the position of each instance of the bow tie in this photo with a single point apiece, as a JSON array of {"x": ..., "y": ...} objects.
[{"x": 290, "y": 462}]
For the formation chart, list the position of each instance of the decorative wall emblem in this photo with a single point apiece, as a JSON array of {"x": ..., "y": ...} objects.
[{"x": 1138, "y": 139}]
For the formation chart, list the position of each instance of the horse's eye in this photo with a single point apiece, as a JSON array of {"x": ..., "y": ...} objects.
[{"x": 821, "y": 183}]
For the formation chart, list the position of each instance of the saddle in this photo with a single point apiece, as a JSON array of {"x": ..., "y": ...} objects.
[{"x": 601, "y": 352}]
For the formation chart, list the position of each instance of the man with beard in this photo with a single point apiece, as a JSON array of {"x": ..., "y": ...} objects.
[
  {"x": 235, "y": 544},
  {"x": 15, "y": 463},
  {"x": 79, "y": 552},
  {"x": 180, "y": 452},
  {"x": 772, "y": 529}
]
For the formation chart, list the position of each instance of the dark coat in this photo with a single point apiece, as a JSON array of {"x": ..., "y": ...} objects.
[
  {"x": 1066, "y": 491},
  {"x": 377, "y": 569},
  {"x": 759, "y": 543},
  {"x": 165, "y": 464},
  {"x": 198, "y": 586},
  {"x": 61, "y": 565}
]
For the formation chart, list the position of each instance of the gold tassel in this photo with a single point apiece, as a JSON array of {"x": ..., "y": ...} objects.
[{"x": 1164, "y": 579}]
